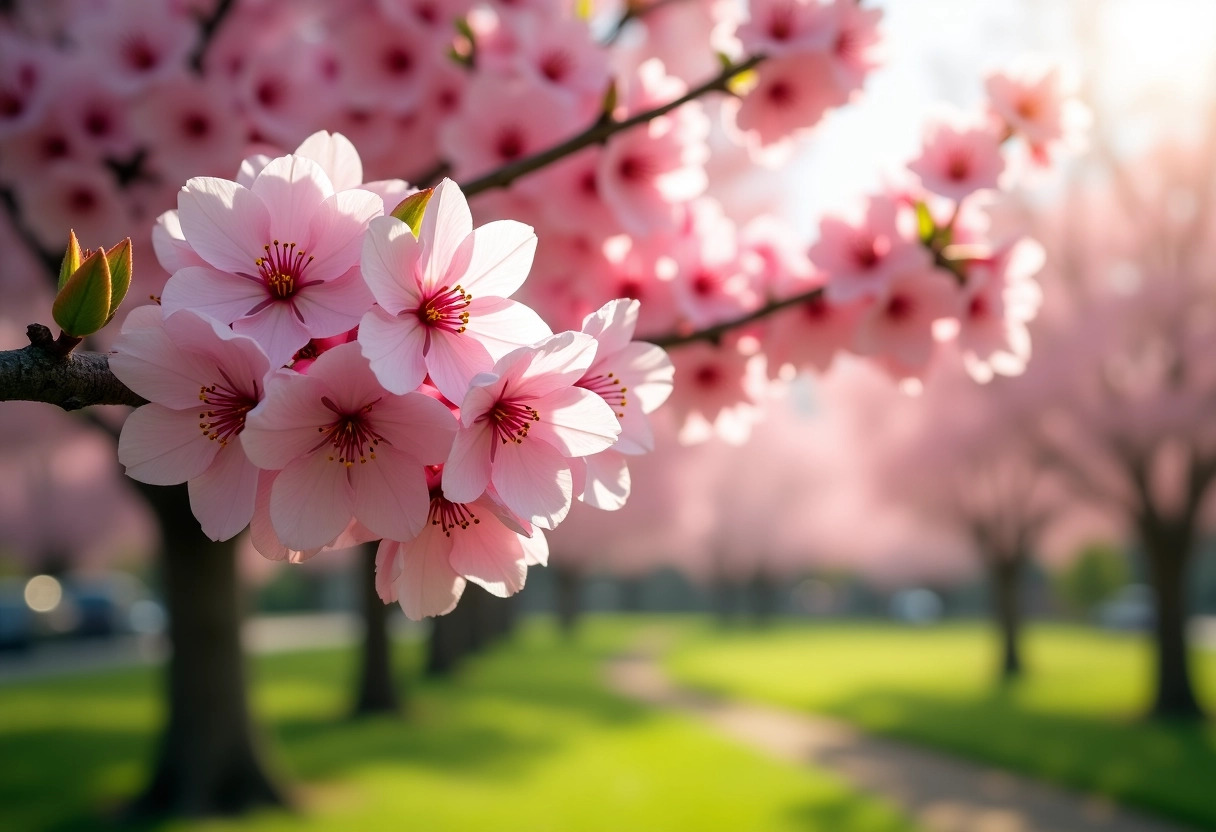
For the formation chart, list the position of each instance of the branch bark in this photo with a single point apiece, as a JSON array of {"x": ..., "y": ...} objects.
[{"x": 41, "y": 373}]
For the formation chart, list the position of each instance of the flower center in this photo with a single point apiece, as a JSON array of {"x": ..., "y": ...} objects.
[
  {"x": 351, "y": 435},
  {"x": 448, "y": 515},
  {"x": 282, "y": 269},
  {"x": 445, "y": 309},
  {"x": 609, "y": 388},
  {"x": 511, "y": 420},
  {"x": 227, "y": 407},
  {"x": 959, "y": 167}
]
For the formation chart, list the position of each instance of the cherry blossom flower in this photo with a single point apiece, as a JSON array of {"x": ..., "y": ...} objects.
[
  {"x": 203, "y": 380},
  {"x": 861, "y": 254},
  {"x": 961, "y": 156},
  {"x": 634, "y": 378},
  {"x": 900, "y": 323},
  {"x": 788, "y": 27},
  {"x": 1000, "y": 298},
  {"x": 523, "y": 422},
  {"x": 479, "y": 541},
  {"x": 443, "y": 306},
  {"x": 282, "y": 255},
  {"x": 345, "y": 447}
]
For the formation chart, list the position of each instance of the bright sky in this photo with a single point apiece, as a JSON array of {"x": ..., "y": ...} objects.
[{"x": 1152, "y": 63}]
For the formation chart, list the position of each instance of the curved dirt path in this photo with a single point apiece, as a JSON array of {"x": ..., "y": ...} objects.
[{"x": 943, "y": 793}]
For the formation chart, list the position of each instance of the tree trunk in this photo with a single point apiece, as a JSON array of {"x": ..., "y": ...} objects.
[
  {"x": 377, "y": 691},
  {"x": 208, "y": 762},
  {"x": 569, "y": 598},
  {"x": 764, "y": 593},
  {"x": 1006, "y": 576},
  {"x": 1168, "y": 555},
  {"x": 452, "y": 636}
]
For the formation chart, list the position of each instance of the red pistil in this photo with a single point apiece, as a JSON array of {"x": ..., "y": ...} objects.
[
  {"x": 351, "y": 436},
  {"x": 226, "y": 409},
  {"x": 609, "y": 388},
  {"x": 445, "y": 309},
  {"x": 449, "y": 515},
  {"x": 282, "y": 269},
  {"x": 511, "y": 420}
]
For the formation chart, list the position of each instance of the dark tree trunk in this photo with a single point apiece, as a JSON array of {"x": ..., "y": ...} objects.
[
  {"x": 569, "y": 586},
  {"x": 1168, "y": 556},
  {"x": 377, "y": 691},
  {"x": 722, "y": 599},
  {"x": 452, "y": 636},
  {"x": 208, "y": 762},
  {"x": 763, "y": 593},
  {"x": 629, "y": 594},
  {"x": 1006, "y": 576}
]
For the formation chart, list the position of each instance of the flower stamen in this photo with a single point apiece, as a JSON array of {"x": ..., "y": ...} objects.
[
  {"x": 227, "y": 407},
  {"x": 445, "y": 309},
  {"x": 609, "y": 388},
  {"x": 351, "y": 435},
  {"x": 282, "y": 269}
]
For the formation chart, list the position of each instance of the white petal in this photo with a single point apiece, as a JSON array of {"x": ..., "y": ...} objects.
[
  {"x": 608, "y": 484},
  {"x": 496, "y": 259},
  {"x": 390, "y": 257},
  {"x": 445, "y": 224},
  {"x": 336, "y": 156}
]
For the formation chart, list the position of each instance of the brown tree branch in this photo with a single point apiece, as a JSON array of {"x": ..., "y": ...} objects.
[
  {"x": 599, "y": 132},
  {"x": 42, "y": 373},
  {"x": 713, "y": 333}
]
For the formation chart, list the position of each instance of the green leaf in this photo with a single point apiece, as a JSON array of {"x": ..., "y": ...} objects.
[
  {"x": 583, "y": 9},
  {"x": 411, "y": 209},
  {"x": 71, "y": 259},
  {"x": 925, "y": 227},
  {"x": 608, "y": 105},
  {"x": 83, "y": 304},
  {"x": 119, "y": 261}
]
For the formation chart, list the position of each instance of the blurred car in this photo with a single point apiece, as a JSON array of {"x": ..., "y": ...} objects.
[{"x": 1132, "y": 608}]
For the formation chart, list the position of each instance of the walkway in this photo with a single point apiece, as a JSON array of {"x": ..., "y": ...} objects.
[{"x": 943, "y": 793}]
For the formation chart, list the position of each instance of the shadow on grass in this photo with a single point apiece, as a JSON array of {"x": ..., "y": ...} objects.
[{"x": 489, "y": 722}]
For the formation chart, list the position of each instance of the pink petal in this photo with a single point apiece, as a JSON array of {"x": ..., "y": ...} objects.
[
  {"x": 416, "y": 425},
  {"x": 390, "y": 257},
  {"x": 346, "y": 377},
  {"x": 160, "y": 446},
  {"x": 277, "y": 329},
  {"x": 393, "y": 348},
  {"x": 556, "y": 362},
  {"x": 336, "y": 156},
  {"x": 536, "y": 549},
  {"x": 467, "y": 470},
  {"x": 388, "y": 569},
  {"x": 575, "y": 421},
  {"x": 503, "y": 325},
  {"x": 612, "y": 325},
  {"x": 490, "y": 555},
  {"x": 647, "y": 373},
  {"x": 225, "y": 224},
  {"x": 218, "y": 295},
  {"x": 291, "y": 188},
  {"x": 284, "y": 426},
  {"x": 170, "y": 246},
  {"x": 337, "y": 229},
  {"x": 496, "y": 259},
  {"x": 445, "y": 224},
  {"x": 453, "y": 360},
  {"x": 148, "y": 361},
  {"x": 261, "y": 531},
  {"x": 310, "y": 502},
  {"x": 533, "y": 479},
  {"x": 222, "y": 497},
  {"x": 240, "y": 358},
  {"x": 390, "y": 493},
  {"x": 607, "y": 486},
  {"x": 427, "y": 585},
  {"x": 333, "y": 306}
]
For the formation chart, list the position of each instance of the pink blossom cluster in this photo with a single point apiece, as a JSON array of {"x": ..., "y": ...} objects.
[{"x": 328, "y": 374}]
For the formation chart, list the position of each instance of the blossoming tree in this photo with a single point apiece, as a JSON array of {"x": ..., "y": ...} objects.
[{"x": 335, "y": 356}]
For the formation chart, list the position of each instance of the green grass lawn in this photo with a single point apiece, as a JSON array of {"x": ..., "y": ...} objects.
[
  {"x": 527, "y": 738},
  {"x": 1075, "y": 719}
]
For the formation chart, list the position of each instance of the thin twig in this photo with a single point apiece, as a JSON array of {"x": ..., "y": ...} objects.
[
  {"x": 713, "y": 333},
  {"x": 208, "y": 27},
  {"x": 601, "y": 131}
]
